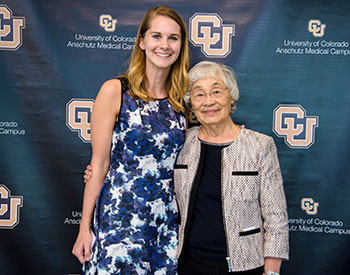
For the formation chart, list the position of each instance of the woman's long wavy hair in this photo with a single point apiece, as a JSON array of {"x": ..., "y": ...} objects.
[{"x": 177, "y": 82}]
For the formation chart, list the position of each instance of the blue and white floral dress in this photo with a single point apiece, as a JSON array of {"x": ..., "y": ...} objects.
[{"x": 136, "y": 214}]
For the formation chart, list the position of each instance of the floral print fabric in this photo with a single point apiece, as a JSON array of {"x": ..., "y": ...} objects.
[{"x": 136, "y": 214}]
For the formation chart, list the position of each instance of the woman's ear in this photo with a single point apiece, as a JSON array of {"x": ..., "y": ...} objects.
[{"x": 141, "y": 44}]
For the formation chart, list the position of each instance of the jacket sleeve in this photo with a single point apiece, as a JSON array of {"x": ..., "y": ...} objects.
[{"x": 273, "y": 203}]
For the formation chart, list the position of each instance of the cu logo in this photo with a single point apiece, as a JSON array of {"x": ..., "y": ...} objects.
[
  {"x": 9, "y": 208},
  {"x": 316, "y": 28},
  {"x": 291, "y": 122},
  {"x": 208, "y": 31},
  {"x": 108, "y": 23},
  {"x": 309, "y": 206},
  {"x": 10, "y": 29},
  {"x": 78, "y": 117}
]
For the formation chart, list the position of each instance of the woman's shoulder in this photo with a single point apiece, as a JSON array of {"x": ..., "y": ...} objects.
[
  {"x": 109, "y": 96},
  {"x": 192, "y": 132},
  {"x": 112, "y": 84},
  {"x": 253, "y": 135},
  {"x": 111, "y": 88}
]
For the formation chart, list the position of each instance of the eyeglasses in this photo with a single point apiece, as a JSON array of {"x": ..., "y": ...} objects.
[{"x": 215, "y": 93}]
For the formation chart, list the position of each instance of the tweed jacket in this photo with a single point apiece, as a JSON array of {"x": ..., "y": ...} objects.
[{"x": 253, "y": 199}]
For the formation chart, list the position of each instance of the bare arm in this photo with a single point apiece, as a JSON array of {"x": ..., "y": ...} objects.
[{"x": 103, "y": 118}]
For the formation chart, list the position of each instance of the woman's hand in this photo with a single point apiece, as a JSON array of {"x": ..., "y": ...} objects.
[
  {"x": 272, "y": 264},
  {"x": 87, "y": 173},
  {"x": 82, "y": 247}
]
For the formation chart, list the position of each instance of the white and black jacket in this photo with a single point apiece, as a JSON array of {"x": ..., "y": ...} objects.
[{"x": 253, "y": 199}]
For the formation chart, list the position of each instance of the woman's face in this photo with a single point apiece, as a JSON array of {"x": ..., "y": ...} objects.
[
  {"x": 161, "y": 43},
  {"x": 211, "y": 101}
]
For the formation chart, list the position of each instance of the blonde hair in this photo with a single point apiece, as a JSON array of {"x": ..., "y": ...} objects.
[{"x": 177, "y": 82}]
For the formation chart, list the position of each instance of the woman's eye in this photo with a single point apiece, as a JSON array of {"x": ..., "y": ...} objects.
[
  {"x": 218, "y": 92},
  {"x": 156, "y": 36},
  {"x": 174, "y": 38}
]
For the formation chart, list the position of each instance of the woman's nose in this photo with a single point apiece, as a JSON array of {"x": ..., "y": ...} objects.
[
  {"x": 209, "y": 99},
  {"x": 164, "y": 43}
]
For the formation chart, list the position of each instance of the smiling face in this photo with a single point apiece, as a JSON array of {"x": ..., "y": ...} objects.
[
  {"x": 161, "y": 43},
  {"x": 211, "y": 101}
]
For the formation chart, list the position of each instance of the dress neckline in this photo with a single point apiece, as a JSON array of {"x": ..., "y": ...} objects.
[{"x": 215, "y": 144}]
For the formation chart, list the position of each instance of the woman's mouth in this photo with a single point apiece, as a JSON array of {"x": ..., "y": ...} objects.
[
  {"x": 210, "y": 112},
  {"x": 163, "y": 54}
]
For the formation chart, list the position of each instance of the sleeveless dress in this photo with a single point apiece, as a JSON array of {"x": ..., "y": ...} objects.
[{"x": 135, "y": 219}]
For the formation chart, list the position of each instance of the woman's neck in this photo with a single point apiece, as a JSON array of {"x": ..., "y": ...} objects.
[
  {"x": 221, "y": 133},
  {"x": 156, "y": 83}
]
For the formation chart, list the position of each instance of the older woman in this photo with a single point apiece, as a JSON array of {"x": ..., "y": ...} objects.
[{"x": 228, "y": 186}]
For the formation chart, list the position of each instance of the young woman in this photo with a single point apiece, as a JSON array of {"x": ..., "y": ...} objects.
[{"x": 137, "y": 129}]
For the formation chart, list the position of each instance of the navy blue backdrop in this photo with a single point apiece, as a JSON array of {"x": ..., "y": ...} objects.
[{"x": 291, "y": 58}]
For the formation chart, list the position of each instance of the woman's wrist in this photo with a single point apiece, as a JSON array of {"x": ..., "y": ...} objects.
[
  {"x": 272, "y": 265},
  {"x": 84, "y": 226}
]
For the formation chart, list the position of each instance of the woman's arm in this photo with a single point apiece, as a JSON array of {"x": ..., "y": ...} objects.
[
  {"x": 103, "y": 118},
  {"x": 273, "y": 208}
]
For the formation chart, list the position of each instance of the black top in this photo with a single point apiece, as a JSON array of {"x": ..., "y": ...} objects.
[{"x": 205, "y": 235}]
